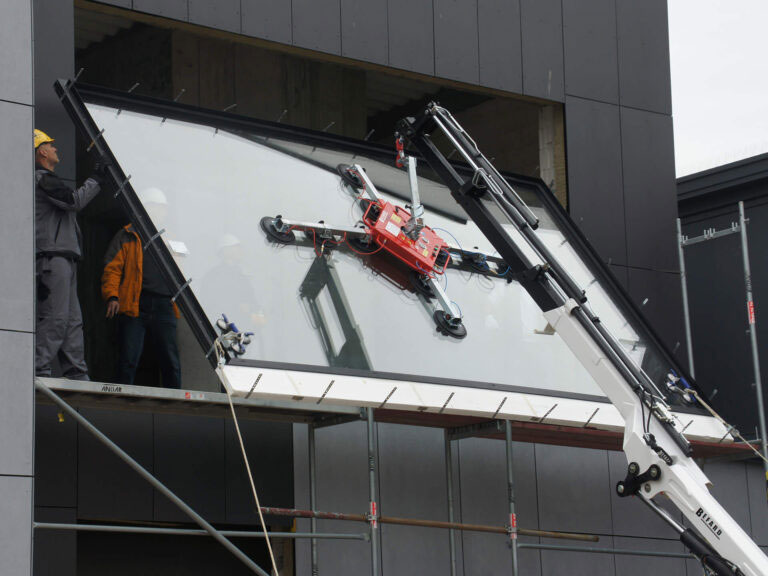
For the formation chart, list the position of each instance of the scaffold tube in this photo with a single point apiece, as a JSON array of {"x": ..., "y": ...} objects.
[{"x": 291, "y": 512}]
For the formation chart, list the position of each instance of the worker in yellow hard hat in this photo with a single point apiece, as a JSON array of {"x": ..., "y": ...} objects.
[
  {"x": 41, "y": 138},
  {"x": 59, "y": 327}
]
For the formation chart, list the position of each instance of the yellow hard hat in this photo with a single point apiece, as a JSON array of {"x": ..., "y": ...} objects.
[{"x": 41, "y": 138}]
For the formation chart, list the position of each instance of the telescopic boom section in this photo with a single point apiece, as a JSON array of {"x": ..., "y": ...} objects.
[{"x": 658, "y": 453}]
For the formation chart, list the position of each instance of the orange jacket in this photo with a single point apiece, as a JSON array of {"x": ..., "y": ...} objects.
[{"x": 123, "y": 265}]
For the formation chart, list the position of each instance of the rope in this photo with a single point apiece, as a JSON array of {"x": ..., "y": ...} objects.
[
  {"x": 731, "y": 430},
  {"x": 220, "y": 359}
]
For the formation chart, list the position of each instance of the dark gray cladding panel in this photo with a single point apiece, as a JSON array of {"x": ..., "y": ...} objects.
[
  {"x": 595, "y": 189},
  {"x": 650, "y": 200},
  {"x": 456, "y": 42},
  {"x": 542, "y": 42},
  {"x": 15, "y": 54},
  {"x": 658, "y": 295},
  {"x": 411, "y": 40},
  {"x": 17, "y": 246},
  {"x": 500, "y": 44},
  {"x": 317, "y": 25},
  {"x": 630, "y": 517},
  {"x": 560, "y": 563},
  {"x": 644, "y": 80},
  {"x": 107, "y": 488},
  {"x": 758, "y": 507},
  {"x": 176, "y": 9},
  {"x": 644, "y": 565},
  {"x": 301, "y": 550},
  {"x": 573, "y": 491},
  {"x": 591, "y": 61},
  {"x": 412, "y": 476},
  {"x": 620, "y": 272},
  {"x": 55, "y": 551},
  {"x": 342, "y": 485},
  {"x": 483, "y": 481},
  {"x": 190, "y": 460},
  {"x": 364, "y": 30},
  {"x": 729, "y": 481},
  {"x": 15, "y": 528},
  {"x": 222, "y": 14},
  {"x": 55, "y": 21},
  {"x": 268, "y": 19},
  {"x": 721, "y": 345},
  {"x": 55, "y": 458},
  {"x": 270, "y": 455}
]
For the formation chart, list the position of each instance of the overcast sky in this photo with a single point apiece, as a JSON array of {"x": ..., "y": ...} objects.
[{"x": 719, "y": 62}]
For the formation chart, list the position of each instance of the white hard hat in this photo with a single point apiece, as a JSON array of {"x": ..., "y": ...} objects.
[
  {"x": 228, "y": 240},
  {"x": 153, "y": 196}
]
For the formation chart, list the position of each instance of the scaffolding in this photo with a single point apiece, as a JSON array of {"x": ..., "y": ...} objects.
[
  {"x": 739, "y": 228},
  {"x": 70, "y": 395}
]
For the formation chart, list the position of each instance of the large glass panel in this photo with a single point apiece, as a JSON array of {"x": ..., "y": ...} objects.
[
  {"x": 219, "y": 185},
  {"x": 315, "y": 304}
]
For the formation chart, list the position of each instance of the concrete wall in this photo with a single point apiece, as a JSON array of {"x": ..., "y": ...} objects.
[{"x": 16, "y": 287}]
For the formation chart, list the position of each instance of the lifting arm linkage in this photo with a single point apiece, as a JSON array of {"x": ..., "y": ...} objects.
[{"x": 660, "y": 455}]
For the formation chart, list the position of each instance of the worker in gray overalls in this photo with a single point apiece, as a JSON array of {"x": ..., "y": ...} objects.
[{"x": 59, "y": 324}]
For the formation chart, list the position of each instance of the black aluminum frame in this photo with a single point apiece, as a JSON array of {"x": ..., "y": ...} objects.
[{"x": 74, "y": 99}]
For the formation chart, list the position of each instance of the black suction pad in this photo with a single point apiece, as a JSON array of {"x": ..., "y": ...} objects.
[
  {"x": 268, "y": 225},
  {"x": 347, "y": 173},
  {"x": 448, "y": 325},
  {"x": 363, "y": 247}
]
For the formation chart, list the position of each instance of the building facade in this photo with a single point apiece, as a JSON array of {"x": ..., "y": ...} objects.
[{"x": 576, "y": 93}]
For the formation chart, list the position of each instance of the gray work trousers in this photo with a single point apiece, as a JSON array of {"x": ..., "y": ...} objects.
[{"x": 59, "y": 328}]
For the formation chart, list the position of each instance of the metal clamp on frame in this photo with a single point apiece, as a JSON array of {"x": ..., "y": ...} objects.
[
  {"x": 181, "y": 289},
  {"x": 153, "y": 238}
]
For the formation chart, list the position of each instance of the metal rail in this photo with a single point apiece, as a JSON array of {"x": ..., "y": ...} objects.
[
  {"x": 752, "y": 320},
  {"x": 190, "y": 532},
  {"x": 295, "y": 513},
  {"x": 511, "y": 498}
]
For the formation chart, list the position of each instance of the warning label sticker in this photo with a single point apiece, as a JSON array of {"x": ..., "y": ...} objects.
[{"x": 392, "y": 228}]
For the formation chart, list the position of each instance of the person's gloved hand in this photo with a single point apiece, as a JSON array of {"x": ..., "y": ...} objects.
[{"x": 101, "y": 172}]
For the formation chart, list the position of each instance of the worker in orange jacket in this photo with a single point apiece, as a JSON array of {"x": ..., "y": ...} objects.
[{"x": 138, "y": 296}]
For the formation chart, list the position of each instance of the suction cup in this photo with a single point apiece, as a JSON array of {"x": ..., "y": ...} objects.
[
  {"x": 363, "y": 247},
  {"x": 347, "y": 173},
  {"x": 420, "y": 285},
  {"x": 448, "y": 325},
  {"x": 268, "y": 225}
]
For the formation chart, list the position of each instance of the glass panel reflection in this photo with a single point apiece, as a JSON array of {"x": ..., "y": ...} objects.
[{"x": 344, "y": 310}]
